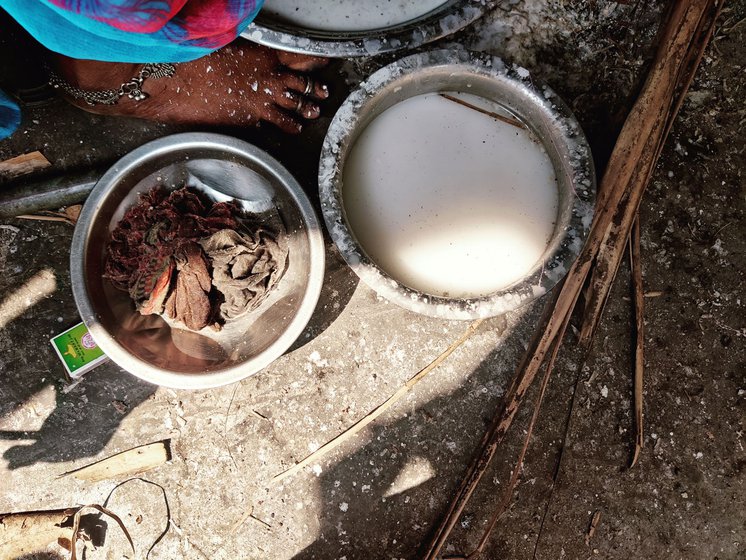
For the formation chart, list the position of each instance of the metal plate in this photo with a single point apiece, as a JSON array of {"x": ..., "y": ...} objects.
[
  {"x": 148, "y": 346},
  {"x": 534, "y": 103},
  {"x": 446, "y": 19}
]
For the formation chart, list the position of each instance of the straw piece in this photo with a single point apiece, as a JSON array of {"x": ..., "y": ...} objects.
[
  {"x": 639, "y": 308},
  {"x": 496, "y": 116},
  {"x": 370, "y": 417}
]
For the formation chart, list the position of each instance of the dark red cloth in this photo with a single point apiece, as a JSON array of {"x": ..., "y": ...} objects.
[{"x": 153, "y": 230}]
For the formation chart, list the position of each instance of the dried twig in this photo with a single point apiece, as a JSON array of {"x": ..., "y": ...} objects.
[
  {"x": 504, "y": 503},
  {"x": 391, "y": 401},
  {"x": 592, "y": 527},
  {"x": 637, "y": 148},
  {"x": 250, "y": 515},
  {"x": 496, "y": 116},
  {"x": 69, "y": 215},
  {"x": 23, "y": 164},
  {"x": 43, "y": 218},
  {"x": 494, "y": 435},
  {"x": 639, "y": 308}
]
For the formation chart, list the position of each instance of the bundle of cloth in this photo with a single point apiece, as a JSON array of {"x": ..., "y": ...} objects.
[{"x": 198, "y": 262}]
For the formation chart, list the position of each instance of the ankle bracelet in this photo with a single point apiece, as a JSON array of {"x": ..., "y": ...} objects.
[{"x": 131, "y": 88}]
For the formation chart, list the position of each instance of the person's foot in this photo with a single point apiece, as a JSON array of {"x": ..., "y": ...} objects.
[{"x": 241, "y": 84}]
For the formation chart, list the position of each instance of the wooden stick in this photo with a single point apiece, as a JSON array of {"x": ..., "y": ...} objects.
[
  {"x": 639, "y": 309},
  {"x": 45, "y": 218},
  {"x": 28, "y": 532},
  {"x": 133, "y": 461},
  {"x": 497, "y": 116},
  {"x": 391, "y": 401},
  {"x": 659, "y": 103},
  {"x": 23, "y": 164},
  {"x": 633, "y": 143},
  {"x": 592, "y": 527}
]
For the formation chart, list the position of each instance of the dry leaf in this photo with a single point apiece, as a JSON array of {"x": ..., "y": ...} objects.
[{"x": 73, "y": 212}]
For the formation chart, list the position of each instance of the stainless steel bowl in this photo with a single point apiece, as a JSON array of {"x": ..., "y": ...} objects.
[
  {"x": 532, "y": 102},
  {"x": 147, "y": 346},
  {"x": 450, "y": 17}
]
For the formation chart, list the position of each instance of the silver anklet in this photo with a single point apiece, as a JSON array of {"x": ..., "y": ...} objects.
[{"x": 131, "y": 88}]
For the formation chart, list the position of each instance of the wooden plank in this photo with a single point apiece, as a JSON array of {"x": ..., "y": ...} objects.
[
  {"x": 27, "y": 532},
  {"x": 23, "y": 165}
]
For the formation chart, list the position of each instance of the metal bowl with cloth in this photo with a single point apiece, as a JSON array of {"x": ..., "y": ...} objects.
[{"x": 162, "y": 350}]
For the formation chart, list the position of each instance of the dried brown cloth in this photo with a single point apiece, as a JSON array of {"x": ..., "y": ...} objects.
[
  {"x": 189, "y": 301},
  {"x": 245, "y": 267}
]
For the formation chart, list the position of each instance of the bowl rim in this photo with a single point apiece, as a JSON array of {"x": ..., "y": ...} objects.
[
  {"x": 109, "y": 345},
  {"x": 442, "y": 21},
  {"x": 580, "y": 165}
]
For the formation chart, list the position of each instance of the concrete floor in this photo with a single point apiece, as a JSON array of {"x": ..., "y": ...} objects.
[{"x": 380, "y": 495}]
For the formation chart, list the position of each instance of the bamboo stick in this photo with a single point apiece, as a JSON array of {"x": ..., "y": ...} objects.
[{"x": 133, "y": 461}]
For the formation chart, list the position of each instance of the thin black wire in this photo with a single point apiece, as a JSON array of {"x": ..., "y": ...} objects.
[{"x": 165, "y": 501}]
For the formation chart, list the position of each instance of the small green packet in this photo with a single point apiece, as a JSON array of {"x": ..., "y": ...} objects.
[{"x": 78, "y": 351}]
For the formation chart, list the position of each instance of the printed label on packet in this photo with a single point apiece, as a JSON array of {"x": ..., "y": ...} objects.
[{"x": 78, "y": 351}]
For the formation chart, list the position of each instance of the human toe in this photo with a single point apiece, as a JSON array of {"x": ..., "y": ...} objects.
[
  {"x": 306, "y": 85},
  {"x": 295, "y": 102}
]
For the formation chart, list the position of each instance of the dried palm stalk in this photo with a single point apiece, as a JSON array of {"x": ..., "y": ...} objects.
[{"x": 684, "y": 36}]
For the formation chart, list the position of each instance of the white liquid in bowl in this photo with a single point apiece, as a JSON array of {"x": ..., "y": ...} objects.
[
  {"x": 348, "y": 15},
  {"x": 447, "y": 200}
]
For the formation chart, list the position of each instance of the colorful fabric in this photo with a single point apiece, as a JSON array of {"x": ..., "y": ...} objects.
[
  {"x": 10, "y": 116},
  {"x": 139, "y": 31},
  {"x": 133, "y": 30}
]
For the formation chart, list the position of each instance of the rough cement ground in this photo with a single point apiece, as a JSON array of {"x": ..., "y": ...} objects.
[{"x": 380, "y": 495}]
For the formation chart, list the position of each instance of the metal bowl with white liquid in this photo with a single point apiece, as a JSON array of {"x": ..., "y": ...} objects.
[{"x": 456, "y": 186}]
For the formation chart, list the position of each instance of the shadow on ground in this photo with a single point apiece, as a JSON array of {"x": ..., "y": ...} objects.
[
  {"x": 401, "y": 472},
  {"x": 76, "y": 427}
]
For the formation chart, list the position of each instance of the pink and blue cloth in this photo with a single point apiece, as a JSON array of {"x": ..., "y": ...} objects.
[{"x": 127, "y": 31}]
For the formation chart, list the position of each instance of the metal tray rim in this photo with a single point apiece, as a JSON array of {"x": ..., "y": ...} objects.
[{"x": 446, "y": 20}]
